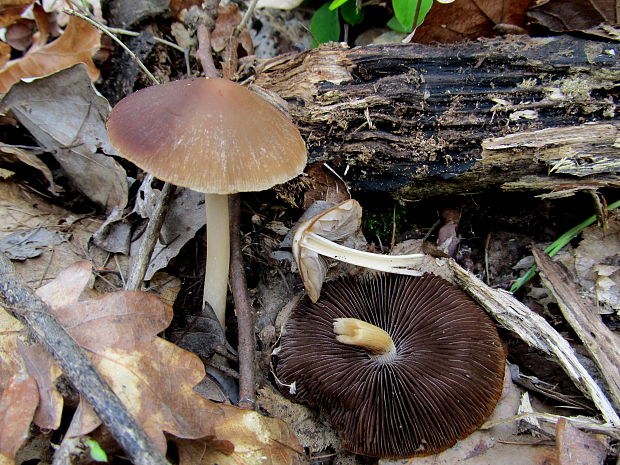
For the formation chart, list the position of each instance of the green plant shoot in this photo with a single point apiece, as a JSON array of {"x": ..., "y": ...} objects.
[
  {"x": 557, "y": 245},
  {"x": 96, "y": 452}
]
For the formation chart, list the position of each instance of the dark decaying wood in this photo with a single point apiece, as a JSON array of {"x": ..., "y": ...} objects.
[{"x": 419, "y": 120}]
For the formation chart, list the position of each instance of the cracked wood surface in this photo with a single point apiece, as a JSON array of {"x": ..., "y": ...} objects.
[{"x": 419, "y": 120}]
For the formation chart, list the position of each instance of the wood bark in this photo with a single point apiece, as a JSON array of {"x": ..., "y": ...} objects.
[{"x": 420, "y": 120}]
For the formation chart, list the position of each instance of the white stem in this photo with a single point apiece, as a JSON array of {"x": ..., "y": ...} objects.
[
  {"x": 218, "y": 254},
  {"x": 401, "y": 264}
]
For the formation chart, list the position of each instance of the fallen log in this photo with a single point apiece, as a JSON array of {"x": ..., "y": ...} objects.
[{"x": 419, "y": 120}]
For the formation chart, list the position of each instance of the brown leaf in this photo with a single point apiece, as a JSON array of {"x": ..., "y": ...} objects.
[
  {"x": 68, "y": 285},
  {"x": 257, "y": 440},
  {"x": 469, "y": 19},
  {"x": 575, "y": 447},
  {"x": 223, "y": 40},
  {"x": 11, "y": 10},
  {"x": 574, "y": 15},
  {"x": 41, "y": 367},
  {"x": 123, "y": 320},
  {"x": 77, "y": 44},
  {"x": 176, "y": 6},
  {"x": 324, "y": 185},
  {"x": 154, "y": 378},
  {"x": 18, "y": 402}
]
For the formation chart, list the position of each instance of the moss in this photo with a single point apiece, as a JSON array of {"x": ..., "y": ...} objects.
[{"x": 380, "y": 218}]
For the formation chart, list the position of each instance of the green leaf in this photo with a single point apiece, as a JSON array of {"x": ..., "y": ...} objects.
[
  {"x": 351, "y": 13},
  {"x": 325, "y": 25},
  {"x": 395, "y": 25},
  {"x": 96, "y": 452},
  {"x": 336, "y": 3},
  {"x": 411, "y": 13}
]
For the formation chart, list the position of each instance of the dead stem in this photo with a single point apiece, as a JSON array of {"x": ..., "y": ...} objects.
[
  {"x": 245, "y": 314},
  {"x": 141, "y": 260}
]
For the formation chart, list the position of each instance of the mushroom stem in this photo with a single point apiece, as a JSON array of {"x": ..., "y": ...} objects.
[
  {"x": 356, "y": 332},
  {"x": 400, "y": 264},
  {"x": 218, "y": 254}
]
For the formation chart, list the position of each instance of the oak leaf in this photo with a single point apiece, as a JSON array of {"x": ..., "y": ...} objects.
[
  {"x": 77, "y": 44},
  {"x": 470, "y": 19}
]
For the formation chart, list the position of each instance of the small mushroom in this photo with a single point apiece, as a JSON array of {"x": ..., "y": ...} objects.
[
  {"x": 213, "y": 136},
  {"x": 315, "y": 237},
  {"x": 403, "y": 366}
]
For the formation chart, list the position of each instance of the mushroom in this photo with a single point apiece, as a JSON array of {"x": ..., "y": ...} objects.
[
  {"x": 315, "y": 237},
  {"x": 403, "y": 366},
  {"x": 213, "y": 136}
]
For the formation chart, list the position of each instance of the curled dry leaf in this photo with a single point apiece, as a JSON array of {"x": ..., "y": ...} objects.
[
  {"x": 79, "y": 42},
  {"x": 11, "y": 10},
  {"x": 257, "y": 440}
]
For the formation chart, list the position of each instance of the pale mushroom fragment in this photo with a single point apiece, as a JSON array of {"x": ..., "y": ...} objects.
[
  {"x": 315, "y": 238},
  {"x": 213, "y": 136}
]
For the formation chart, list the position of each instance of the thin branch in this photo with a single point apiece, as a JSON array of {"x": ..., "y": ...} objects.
[
  {"x": 112, "y": 36},
  {"x": 141, "y": 260},
  {"x": 25, "y": 305},
  {"x": 204, "y": 52},
  {"x": 245, "y": 314},
  {"x": 246, "y": 18}
]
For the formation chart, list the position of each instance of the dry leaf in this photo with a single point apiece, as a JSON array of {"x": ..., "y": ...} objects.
[
  {"x": 18, "y": 402},
  {"x": 18, "y": 390},
  {"x": 40, "y": 365},
  {"x": 77, "y": 135},
  {"x": 324, "y": 185},
  {"x": 153, "y": 377},
  {"x": 257, "y": 440},
  {"x": 79, "y": 42},
  {"x": 577, "y": 448},
  {"x": 23, "y": 210},
  {"x": 11, "y": 10},
  {"x": 575, "y": 15},
  {"x": 596, "y": 265},
  {"x": 30, "y": 158},
  {"x": 469, "y": 19}
]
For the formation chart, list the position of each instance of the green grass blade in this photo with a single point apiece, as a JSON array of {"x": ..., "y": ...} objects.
[{"x": 557, "y": 245}]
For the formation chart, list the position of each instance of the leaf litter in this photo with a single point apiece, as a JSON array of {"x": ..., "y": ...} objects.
[
  {"x": 120, "y": 337},
  {"x": 153, "y": 377}
]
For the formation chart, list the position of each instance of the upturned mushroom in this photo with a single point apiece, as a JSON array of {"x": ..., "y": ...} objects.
[
  {"x": 403, "y": 366},
  {"x": 213, "y": 136}
]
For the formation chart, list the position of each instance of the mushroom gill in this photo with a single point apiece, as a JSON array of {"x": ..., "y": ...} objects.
[{"x": 442, "y": 378}]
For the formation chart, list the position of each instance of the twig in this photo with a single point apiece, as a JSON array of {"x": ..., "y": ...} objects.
[
  {"x": 536, "y": 332},
  {"x": 245, "y": 315},
  {"x": 140, "y": 262},
  {"x": 581, "y": 314},
  {"x": 585, "y": 423},
  {"x": 125, "y": 32},
  {"x": 204, "y": 51},
  {"x": 25, "y": 305},
  {"x": 246, "y": 17},
  {"x": 109, "y": 33}
]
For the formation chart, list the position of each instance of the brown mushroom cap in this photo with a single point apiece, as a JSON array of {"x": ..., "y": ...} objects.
[
  {"x": 208, "y": 134},
  {"x": 445, "y": 380}
]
